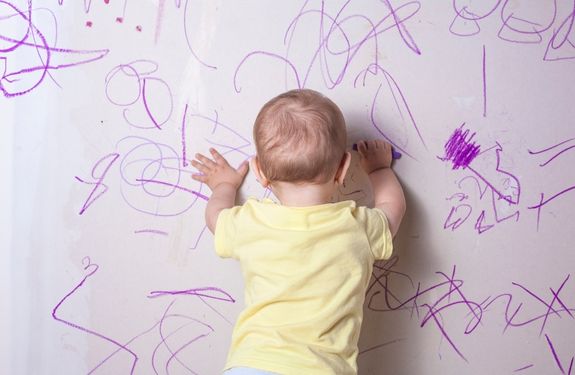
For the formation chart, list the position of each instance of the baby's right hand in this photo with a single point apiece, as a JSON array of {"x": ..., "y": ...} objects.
[{"x": 374, "y": 155}]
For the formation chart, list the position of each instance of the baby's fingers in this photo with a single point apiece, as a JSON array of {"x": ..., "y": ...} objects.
[
  {"x": 384, "y": 144},
  {"x": 200, "y": 166},
  {"x": 206, "y": 161},
  {"x": 387, "y": 147},
  {"x": 362, "y": 147},
  {"x": 243, "y": 168},
  {"x": 218, "y": 157},
  {"x": 200, "y": 177}
]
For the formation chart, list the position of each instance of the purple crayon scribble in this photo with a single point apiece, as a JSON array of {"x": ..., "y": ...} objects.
[
  {"x": 198, "y": 238},
  {"x": 184, "y": 159},
  {"x": 457, "y": 216},
  {"x": 159, "y": 20},
  {"x": 460, "y": 148},
  {"x": 511, "y": 182},
  {"x": 187, "y": 10},
  {"x": 186, "y": 322},
  {"x": 375, "y": 347},
  {"x": 152, "y": 231},
  {"x": 442, "y": 302},
  {"x": 560, "y": 44},
  {"x": 174, "y": 331},
  {"x": 236, "y": 141},
  {"x": 519, "y": 26},
  {"x": 147, "y": 107},
  {"x": 170, "y": 325},
  {"x": 208, "y": 329},
  {"x": 464, "y": 26},
  {"x": 197, "y": 194},
  {"x": 523, "y": 368},
  {"x": 99, "y": 187},
  {"x": 484, "y": 76},
  {"x": 503, "y": 196},
  {"x": 521, "y": 29},
  {"x": 505, "y": 188},
  {"x": 17, "y": 79},
  {"x": 403, "y": 32},
  {"x": 550, "y": 305},
  {"x": 153, "y": 181},
  {"x": 336, "y": 49},
  {"x": 208, "y": 292},
  {"x": 549, "y": 308},
  {"x": 178, "y": 4},
  {"x": 130, "y": 84},
  {"x": 401, "y": 105},
  {"x": 556, "y": 357},
  {"x": 91, "y": 269},
  {"x": 480, "y": 225},
  {"x": 510, "y": 33},
  {"x": 444, "y": 296},
  {"x": 569, "y": 148},
  {"x": 563, "y": 147},
  {"x": 543, "y": 201},
  {"x": 266, "y": 54}
]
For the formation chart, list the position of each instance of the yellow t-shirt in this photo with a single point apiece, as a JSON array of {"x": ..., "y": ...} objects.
[{"x": 306, "y": 270}]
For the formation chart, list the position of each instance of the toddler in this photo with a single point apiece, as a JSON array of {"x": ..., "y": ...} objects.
[{"x": 306, "y": 261}]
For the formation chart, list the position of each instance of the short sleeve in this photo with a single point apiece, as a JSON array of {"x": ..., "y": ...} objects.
[
  {"x": 377, "y": 232},
  {"x": 225, "y": 233}
]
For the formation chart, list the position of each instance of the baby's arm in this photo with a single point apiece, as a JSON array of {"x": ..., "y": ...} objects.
[
  {"x": 222, "y": 179},
  {"x": 375, "y": 159}
]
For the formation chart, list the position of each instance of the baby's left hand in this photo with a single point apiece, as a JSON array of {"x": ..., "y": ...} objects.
[{"x": 218, "y": 171}]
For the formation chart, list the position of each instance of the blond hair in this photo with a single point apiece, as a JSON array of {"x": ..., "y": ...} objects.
[{"x": 300, "y": 136}]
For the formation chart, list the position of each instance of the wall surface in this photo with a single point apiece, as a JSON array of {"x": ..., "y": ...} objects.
[{"x": 107, "y": 266}]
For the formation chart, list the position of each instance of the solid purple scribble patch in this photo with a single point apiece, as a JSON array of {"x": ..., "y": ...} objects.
[{"x": 460, "y": 148}]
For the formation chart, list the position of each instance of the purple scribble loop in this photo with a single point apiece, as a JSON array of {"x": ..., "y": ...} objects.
[
  {"x": 475, "y": 17},
  {"x": 154, "y": 167},
  {"x": 401, "y": 105},
  {"x": 139, "y": 95},
  {"x": 145, "y": 93},
  {"x": 458, "y": 15},
  {"x": 164, "y": 337},
  {"x": 216, "y": 125},
  {"x": 129, "y": 71},
  {"x": 209, "y": 292},
  {"x": 21, "y": 80},
  {"x": 516, "y": 28},
  {"x": 18, "y": 41},
  {"x": 93, "y": 268},
  {"x": 186, "y": 32},
  {"x": 537, "y": 31},
  {"x": 333, "y": 29},
  {"x": 267, "y": 54},
  {"x": 151, "y": 173},
  {"x": 169, "y": 330},
  {"x": 447, "y": 296},
  {"x": 320, "y": 52}
]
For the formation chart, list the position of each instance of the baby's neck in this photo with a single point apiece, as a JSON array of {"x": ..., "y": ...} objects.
[{"x": 303, "y": 194}]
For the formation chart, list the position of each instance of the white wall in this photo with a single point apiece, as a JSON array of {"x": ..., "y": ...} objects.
[{"x": 133, "y": 87}]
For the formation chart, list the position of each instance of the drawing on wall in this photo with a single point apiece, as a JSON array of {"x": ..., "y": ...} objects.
[{"x": 113, "y": 99}]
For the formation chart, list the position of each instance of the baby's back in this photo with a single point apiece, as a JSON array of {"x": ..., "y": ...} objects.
[{"x": 306, "y": 271}]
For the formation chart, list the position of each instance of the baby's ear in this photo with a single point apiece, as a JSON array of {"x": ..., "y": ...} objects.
[
  {"x": 255, "y": 166},
  {"x": 343, "y": 167}
]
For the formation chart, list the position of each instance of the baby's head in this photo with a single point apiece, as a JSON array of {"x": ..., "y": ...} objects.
[{"x": 300, "y": 137}]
